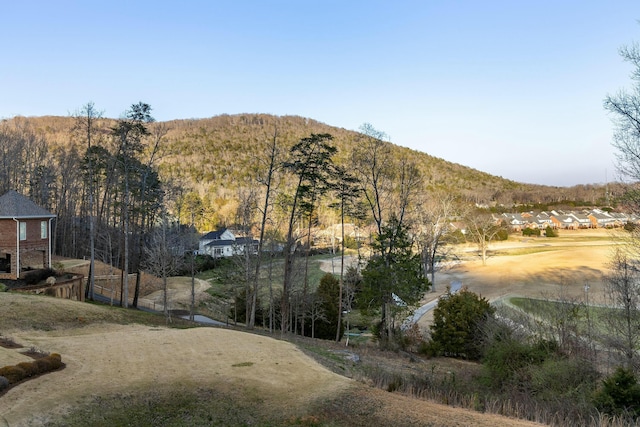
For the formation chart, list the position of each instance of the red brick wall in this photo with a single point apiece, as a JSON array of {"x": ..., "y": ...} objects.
[
  {"x": 7, "y": 234},
  {"x": 34, "y": 251}
]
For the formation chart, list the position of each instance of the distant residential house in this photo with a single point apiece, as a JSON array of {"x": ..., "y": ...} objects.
[
  {"x": 458, "y": 226},
  {"x": 623, "y": 218},
  {"x": 544, "y": 219},
  {"x": 582, "y": 220},
  {"x": 536, "y": 223},
  {"x": 25, "y": 236},
  {"x": 515, "y": 221},
  {"x": 223, "y": 243},
  {"x": 602, "y": 219},
  {"x": 566, "y": 222}
]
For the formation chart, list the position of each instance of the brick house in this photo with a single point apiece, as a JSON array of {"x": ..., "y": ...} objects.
[{"x": 25, "y": 230}]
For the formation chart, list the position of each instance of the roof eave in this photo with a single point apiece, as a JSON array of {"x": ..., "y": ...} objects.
[{"x": 26, "y": 216}]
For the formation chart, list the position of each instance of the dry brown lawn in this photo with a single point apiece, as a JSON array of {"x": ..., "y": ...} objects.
[
  {"x": 103, "y": 357},
  {"x": 539, "y": 267},
  {"x": 550, "y": 268}
]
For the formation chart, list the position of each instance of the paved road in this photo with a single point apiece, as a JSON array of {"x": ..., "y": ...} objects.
[
  {"x": 417, "y": 315},
  {"x": 204, "y": 319},
  {"x": 197, "y": 317}
]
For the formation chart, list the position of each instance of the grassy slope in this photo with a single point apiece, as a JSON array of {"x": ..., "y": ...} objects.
[{"x": 217, "y": 401}]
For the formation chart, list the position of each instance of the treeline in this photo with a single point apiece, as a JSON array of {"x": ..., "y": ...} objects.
[
  {"x": 101, "y": 181},
  {"x": 213, "y": 158},
  {"x": 113, "y": 182}
]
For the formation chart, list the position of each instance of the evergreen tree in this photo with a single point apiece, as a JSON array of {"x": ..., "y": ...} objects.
[
  {"x": 310, "y": 163},
  {"x": 327, "y": 293},
  {"x": 620, "y": 394},
  {"x": 457, "y": 324},
  {"x": 393, "y": 278}
]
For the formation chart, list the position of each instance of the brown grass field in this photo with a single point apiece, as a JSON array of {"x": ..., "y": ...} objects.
[{"x": 108, "y": 354}]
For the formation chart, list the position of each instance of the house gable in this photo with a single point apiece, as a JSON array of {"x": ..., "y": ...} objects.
[
  {"x": 25, "y": 231},
  {"x": 15, "y": 205}
]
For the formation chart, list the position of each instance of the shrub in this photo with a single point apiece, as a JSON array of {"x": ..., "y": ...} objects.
[
  {"x": 550, "y": 232},
  {"x": 43, "y": 365},
  {"x": 55, "y": 359},
  {"x": 508, "y": 361},
  {"x": 327, "y": 293},
  {"x": 531, "y": 232},
  {"x": 350, "y": 242},
  {"x": 4, "y": 383},
  {"x": 457, "y": 324},
  {"x": 30, "y": 368},
  {"x": 36, "y": 276},
  {"x": 23, "y": 370},
  {"x": 564, "y": 377},
  {"x": 620, "y": 394},
  {"x": 13, "y": 374},
  {"x": 502, "y": 235}
]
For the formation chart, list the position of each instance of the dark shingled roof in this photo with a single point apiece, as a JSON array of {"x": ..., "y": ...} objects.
[
  {"x": 214, "y": 235},
  {"x": 15, "y": 205}
]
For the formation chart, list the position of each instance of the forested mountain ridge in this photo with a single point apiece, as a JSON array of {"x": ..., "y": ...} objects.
[
  {"x": 215, "y": 157},
  {"x": 231, "y": 143}
]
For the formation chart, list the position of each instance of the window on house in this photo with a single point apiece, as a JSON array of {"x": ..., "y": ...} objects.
[
  {"x": 23, "y": 231},
  {"x": 43, "y": 229}
]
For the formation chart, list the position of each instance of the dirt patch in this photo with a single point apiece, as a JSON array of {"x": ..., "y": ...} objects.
[{"x": 179, "y": 293}]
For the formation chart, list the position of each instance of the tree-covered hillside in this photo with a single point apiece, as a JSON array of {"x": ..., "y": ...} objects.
[{"x": 216, "y": 157}]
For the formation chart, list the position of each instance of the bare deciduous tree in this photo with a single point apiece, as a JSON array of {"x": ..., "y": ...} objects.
[
  {"x": 482, "y": 229},
  {"x": 625, "y": 107},
  {"x": 164, "y": 256},
  {"x": 623, "y": 296},
  {"x": 389, "y": 186},
  {"x": 267, "y": 180},
  {"x": 431, "y": 232}
]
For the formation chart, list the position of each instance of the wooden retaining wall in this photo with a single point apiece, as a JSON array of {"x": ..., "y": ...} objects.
[{"x": 72, "y": 289}]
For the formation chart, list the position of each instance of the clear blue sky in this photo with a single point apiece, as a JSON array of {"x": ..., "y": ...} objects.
[{"x": 513, "y": 88}]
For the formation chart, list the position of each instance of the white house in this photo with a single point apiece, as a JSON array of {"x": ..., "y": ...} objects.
[{"x": 223, "y": 243}]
